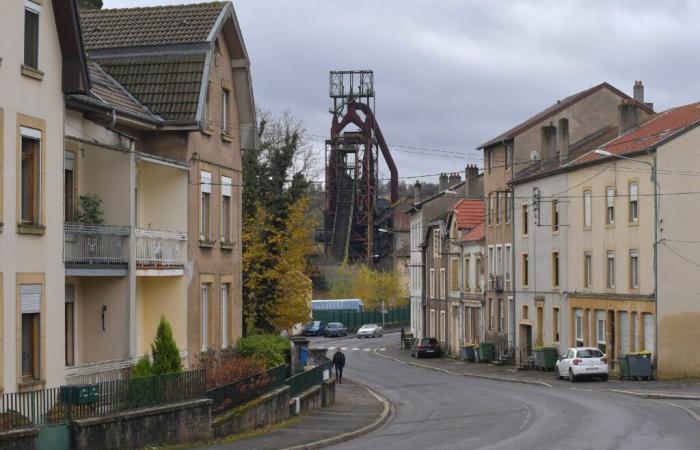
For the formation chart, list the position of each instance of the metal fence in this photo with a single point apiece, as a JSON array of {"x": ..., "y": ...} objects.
[
  {"x": 95, "y": 244},
  {"x": 304, "y": 381},
  {"x": 56, "y": 405},
  {"x": 355, "y": 319},
  {"x": 98, "y": 372},
  {"x": 160, "y": 248},
  {"x": 246, "y": 389}
]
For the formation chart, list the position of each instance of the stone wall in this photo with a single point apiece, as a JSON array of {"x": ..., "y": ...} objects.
[
  {"x": 23, "y": 439},
  {"x": 269, "y": 409},
  {"x": 308, "y": 401},
  {"x": 168, "y": 424},
  {"x": 328, "y": 392}
]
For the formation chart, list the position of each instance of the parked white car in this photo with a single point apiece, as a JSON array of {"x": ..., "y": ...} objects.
[
  {"x": 369, "y": 330},
  {"x": 582, "y": 362}
]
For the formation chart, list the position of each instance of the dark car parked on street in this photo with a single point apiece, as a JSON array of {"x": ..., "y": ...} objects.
[
  {"x": 335, "y": 329},
  {"x": 314, "y": 328},
  {"x": 426, "y": 347}
]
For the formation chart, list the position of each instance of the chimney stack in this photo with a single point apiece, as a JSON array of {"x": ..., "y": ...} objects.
[
  {"x": 471, "y": 179},
  {"x": 563, "y": 140},
  {"x": 416, "y": 192},
  {"x": 454, "y": 179},
  {"x": 638, "y": 91},
  {"x": 548, "y": 137},
  {"x": 627, "y": 117},
  {"x": 442, "y": 182}
]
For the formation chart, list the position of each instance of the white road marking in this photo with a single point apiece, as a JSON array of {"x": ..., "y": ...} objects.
[
  {"x": 366, "y": 349},
  {"x": 382, "y": 349},
  {"x": 356, "y": 348},
  {"x": 331, "y": 348},
  {"x": 343, "y": 348}
]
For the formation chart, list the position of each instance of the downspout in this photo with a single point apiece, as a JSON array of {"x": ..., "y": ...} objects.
[
  {"x": 512, "y": 265},
  {"x": 656, "y": 261}
]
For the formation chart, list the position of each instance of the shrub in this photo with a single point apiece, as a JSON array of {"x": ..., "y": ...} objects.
[
  {"x": 142, "y": 368},
  {"x": 273, "y": 350},
  {"x": 226, "y": 368},
  {"x": 166, "y": 356}
]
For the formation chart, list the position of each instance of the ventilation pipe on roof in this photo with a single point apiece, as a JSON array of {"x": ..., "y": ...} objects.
[
  {"x": 638, "y": 91},
  {"x": 471, "y": 176},
  {"x": 417, "y": 192},
  {"x": 563, "y": 139}
]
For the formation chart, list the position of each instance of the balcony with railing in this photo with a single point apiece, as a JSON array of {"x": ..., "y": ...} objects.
[
  {"x": 160, "y": 249},
  {"x": 95, "y": 247}
]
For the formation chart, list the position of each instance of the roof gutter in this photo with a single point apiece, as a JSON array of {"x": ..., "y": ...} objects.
[{"x": 79, "y": 103}]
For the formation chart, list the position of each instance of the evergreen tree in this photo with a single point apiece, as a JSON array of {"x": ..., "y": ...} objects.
[{"x": 166, "y": 356}]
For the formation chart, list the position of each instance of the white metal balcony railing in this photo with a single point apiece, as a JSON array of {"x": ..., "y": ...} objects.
[
  {"x": 116, "y": 369},
  {"x": 160, "y": 248},
  {"x": 95, "y": 244}
]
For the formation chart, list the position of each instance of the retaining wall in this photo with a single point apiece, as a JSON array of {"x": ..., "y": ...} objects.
[{"x": 268, "y": 409}]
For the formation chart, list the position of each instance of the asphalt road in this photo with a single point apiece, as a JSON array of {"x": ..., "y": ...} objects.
[{"x": 441, "y": 411}]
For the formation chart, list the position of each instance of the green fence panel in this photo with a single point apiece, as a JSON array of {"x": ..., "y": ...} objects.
[{"x": 355, "y": 319}]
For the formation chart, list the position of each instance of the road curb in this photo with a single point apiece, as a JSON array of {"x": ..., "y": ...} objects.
[
  {"x": 654, "y": 395},
  {"x": 387, "y": 412},
  {"x": 465, "y": 374}
]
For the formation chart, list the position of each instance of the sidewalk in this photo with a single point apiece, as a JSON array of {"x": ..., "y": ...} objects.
[
  {"x": 356, "y": 412},
  {"x": 510, "y": 373}
]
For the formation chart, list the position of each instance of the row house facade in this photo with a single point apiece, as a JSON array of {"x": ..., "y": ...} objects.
[
  {"x": 186, "y": 68},
  {"x": 123, "y": 187},
  {"x": 577, "y": 120},
  {"x": 629, "y": 253},
  {"x": 436, "y": 304},
  {"x": 464, "y": 281}
]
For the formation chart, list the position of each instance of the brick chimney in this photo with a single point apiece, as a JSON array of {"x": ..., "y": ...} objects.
[
  {"x": 417, "y": 192},
  {"x": 563, "y": 139},
  {"x": 454, "y": 178},
  {"x": 548, "y": 141},
  {"x": 638, "y": 91},
  {"x": 471, "y": 185},
  {"x": 442, "y": 182},
  {"x": 627, "y": 117}
]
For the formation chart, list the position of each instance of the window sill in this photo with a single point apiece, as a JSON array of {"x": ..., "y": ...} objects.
[
  {"x": 207, "y": 244},
  {"x": 30, "y": 228},
  {"x": 227, "y": 245},
  {"x": 226, "y": 137},
  {"x": 587, "y": 228},
  {"x": 31, "y": 72},
  {"x": 555, "y": 232},
  {"x": 207, "y": 131},
  {"x": 31, "y": 385},
  {"x": 633, "y": 224},
  {"x": 610, "y": 225}
]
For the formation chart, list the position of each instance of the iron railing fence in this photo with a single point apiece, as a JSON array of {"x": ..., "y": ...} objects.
[
  {"x": 56, "y": 405},
  {"x": 304, "y": 381},
  {"x": 160, "y": 248},
  {"x": 30, "y": 409},
  {"x": 246, "y": 389},
  {"x": 98, "y": 372},
  {"x": 95, "y": 244}
]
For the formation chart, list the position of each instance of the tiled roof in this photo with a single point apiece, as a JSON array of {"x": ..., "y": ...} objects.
[
  {"x": 659, "y": 128},
  {"x": 476, "y": 234},
  {"x": 108, "y": 90},
  {"x": 151, "y": 26},
  {"x": 557, "y": 107},
  {"x": 469, "y": 213},
  {"x": 168, "y": 85}
]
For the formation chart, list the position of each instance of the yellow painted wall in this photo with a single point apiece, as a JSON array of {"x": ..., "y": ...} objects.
[
  {"x": 156, "y": 296},
  {"x": 162, "y": 197}
]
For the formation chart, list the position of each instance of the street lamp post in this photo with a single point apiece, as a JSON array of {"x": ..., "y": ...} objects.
[{"x": 654, "y": 180}]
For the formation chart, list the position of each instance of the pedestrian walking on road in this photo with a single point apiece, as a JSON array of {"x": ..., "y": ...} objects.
[{"x": 339, "y": 363}]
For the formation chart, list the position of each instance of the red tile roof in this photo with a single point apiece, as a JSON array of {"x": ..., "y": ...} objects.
[
  {"x": 476, "y": 234},
  {"x": 659, "y": 128},
  {"x": 469, "y": 213}
]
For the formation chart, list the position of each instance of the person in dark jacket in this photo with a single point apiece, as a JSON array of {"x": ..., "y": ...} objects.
[{"x": 339, "y": 363}]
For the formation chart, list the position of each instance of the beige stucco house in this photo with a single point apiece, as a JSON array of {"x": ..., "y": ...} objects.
[
  {"x": 177, "y": 85},
  {"x": 40, "y": 59}
]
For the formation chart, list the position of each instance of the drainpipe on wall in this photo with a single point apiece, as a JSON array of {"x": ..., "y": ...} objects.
[
  {"x": 512, "y": 268},
  {"x": 656, "y": 260}
]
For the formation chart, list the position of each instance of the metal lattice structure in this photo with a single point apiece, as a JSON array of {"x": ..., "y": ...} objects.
[{"x": 352, "y": 162}]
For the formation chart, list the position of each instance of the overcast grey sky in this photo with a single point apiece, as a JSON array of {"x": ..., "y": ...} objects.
[{"x": 452, "y": 74}]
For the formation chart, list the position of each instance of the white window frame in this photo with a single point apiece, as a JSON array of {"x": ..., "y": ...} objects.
[
  {"x": 634, "y": 202},
  {"x": 634, "y": 269},
  {"x": 226, "y": 192},
  {"x": 587, "y": 269},
  {"x": 225, "y": 292},
  {"x": 509, "y": 196},
  {"x": 204, "y": 315},
  {"x": 507, "y": 262},
  {"x": 432, "y": 283},
  {"x": 587, "y": 213},
  {"x": 610, "y": 205},
  {"x": 225, "y": 106},
  {"x": 205, "y": 184},
  {"x": 610, "y": 269},
  {"x": 442, "y": 285},
  {"x": 578, "y": 327},
  {"x": 436, "y": 243}
]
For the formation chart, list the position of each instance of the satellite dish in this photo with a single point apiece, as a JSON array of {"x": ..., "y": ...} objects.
[{"x": 534, "y": 155}]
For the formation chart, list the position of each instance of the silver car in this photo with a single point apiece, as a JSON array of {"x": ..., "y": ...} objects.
[{"x": 369, "y": 330}]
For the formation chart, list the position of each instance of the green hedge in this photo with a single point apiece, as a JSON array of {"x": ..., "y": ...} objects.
[{"x": 273, "y": 349}]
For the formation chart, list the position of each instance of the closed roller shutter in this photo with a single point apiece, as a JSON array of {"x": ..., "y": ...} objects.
[{"x": 30, "y": 298}]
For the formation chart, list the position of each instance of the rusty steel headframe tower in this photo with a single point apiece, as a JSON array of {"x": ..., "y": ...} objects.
[{"x": 352, "y": 157}]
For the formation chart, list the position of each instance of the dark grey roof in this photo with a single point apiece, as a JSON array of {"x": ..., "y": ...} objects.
[
  {"x": 168, "y": 85},
  {"x": 109, "y": 91},
  {"x": 148, "y": 27}
]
